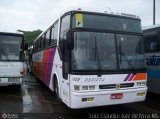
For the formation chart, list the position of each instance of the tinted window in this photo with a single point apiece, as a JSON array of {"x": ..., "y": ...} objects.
[
  {"x": 152, "y": 44},
  {"x": 34, "y": 47},
  {"x": 38, "y": 44},
  {"x": 47, "y": 38},
  {"x": 54, "y": 34},
  {"x": 43, "y": 40},
  {"x": 65, "y": 25},
  {"x": 10, "y": 47}
]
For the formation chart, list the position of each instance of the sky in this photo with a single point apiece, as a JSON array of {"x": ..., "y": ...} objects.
[{"x": 31, "y": 15}]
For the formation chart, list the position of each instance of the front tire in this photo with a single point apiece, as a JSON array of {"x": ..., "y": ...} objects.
[{"x": 56, "y": 89}]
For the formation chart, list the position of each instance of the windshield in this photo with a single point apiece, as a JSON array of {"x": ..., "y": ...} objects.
[
  {"x": 10, "y": 47},
  {"x": 93, "y": 51}
]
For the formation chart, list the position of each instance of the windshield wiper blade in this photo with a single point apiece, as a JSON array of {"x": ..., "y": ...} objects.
[
  {"x": 97, "y": 58},
  {"x": 127, "y": 60},
  {"x": 5, "y": 54}
]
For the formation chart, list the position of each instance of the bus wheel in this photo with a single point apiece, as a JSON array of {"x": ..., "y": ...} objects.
[{"x": 56, "y": 88}]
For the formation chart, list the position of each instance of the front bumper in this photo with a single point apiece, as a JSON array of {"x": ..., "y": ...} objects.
[{"x": 104, "y": 97}]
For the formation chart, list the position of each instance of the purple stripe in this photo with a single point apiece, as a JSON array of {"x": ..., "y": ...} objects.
[
  {"x": 131, "y": 77},
  {"x": 127, "y": 77}
]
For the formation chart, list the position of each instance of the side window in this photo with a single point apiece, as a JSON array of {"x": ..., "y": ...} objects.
[
  {"x": 47, "y": 39},
  {"x": 54, "y": 33},
  {"x": 152, "y": 44},
  {"x": 36, "y": 46},
  {"x": 40, "y": 43},
  {"x": 65, "y": 25},
  {"x": 33, "y": 47},
  {"x": 43, "y": 41}
]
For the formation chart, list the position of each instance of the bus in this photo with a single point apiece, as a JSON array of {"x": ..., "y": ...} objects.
[
  {"x": 91, "y": 59},
  {"x": 152, "y": 49},
  {"x": 11, "y": 58}
]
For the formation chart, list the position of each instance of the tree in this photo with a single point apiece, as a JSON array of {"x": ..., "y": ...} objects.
[{"x": 30, "y": 36}]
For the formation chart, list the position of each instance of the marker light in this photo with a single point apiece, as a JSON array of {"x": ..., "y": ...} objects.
[
  {"x": 88, "y": 99},
  {"x": 141, "y": 94},
  {"x": 76, "y": 87}
]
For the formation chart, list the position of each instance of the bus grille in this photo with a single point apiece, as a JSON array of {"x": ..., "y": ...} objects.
[{"x": 113, "y": 86}]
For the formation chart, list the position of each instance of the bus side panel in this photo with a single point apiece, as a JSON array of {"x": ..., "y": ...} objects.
[
  {"x": 43, "y": 63},
  {"x": 153, "y": 72}
]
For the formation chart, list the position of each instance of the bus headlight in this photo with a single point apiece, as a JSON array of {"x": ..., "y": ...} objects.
[
  {"x": 92, "y": 87},
  {"x": 84, "y": 87}
]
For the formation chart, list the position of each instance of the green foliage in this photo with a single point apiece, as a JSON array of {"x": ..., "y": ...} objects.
[{"x": 30, "y": 36}]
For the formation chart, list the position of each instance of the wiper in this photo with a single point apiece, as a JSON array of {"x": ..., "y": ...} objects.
[
  {"x": 97, "y": 58},
  {"x": 5, "y": 54},
  {"x": 129, "y": 63}
]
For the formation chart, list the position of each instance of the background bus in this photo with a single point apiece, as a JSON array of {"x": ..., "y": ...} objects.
[
  {"x": 29, "y": 58},
  {"x": 92, "y": 59},
  {"x": 152, "y": 49},
  {"x": 11, "y": 59}
]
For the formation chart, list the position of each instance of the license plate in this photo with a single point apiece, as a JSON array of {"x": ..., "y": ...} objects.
[{"x": 116, "y": 96}]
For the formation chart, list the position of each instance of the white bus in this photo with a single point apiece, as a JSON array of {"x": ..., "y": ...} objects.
[
  {"x": 11, "y": 59},
  {"x": 152, "y": 49},
  {"x": 92, "y": 59}
]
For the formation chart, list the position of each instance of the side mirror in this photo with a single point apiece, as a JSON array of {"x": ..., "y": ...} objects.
[
  {"x": 70, "y": 40},
  {"x": 25, "y": 46}
]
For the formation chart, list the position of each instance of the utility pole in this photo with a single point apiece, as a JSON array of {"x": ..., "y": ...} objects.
[{"x": 154, "y": 6}]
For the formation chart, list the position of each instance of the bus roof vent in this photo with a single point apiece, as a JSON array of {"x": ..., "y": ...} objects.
[{"x": 112, "y": 12}]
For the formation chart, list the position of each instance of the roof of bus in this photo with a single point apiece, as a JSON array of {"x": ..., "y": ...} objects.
[
  {"x": 124, "y": 15},
  {"x": 106, "y": 13},
  {"x": 11, "y": 34}
]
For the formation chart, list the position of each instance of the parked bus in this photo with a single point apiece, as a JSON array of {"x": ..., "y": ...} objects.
[
  {"x": 11, "y": 59},
  {"x": 92, "y": 59},
  {"x": 152, "y": 49}
]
